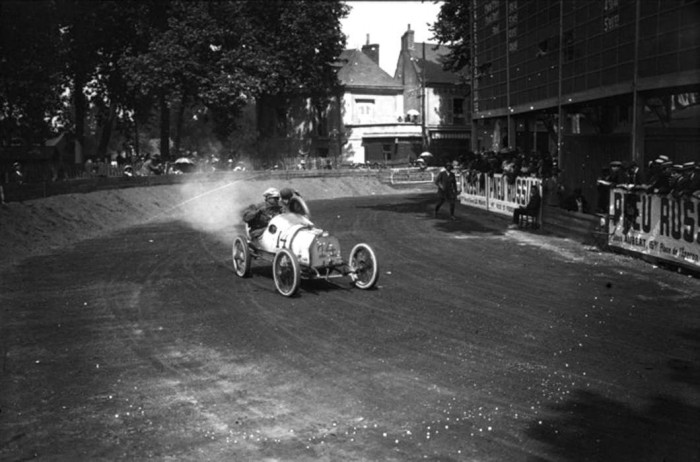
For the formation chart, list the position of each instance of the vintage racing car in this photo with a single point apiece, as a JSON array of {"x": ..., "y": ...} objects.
[{"x": 299, "y": 250}]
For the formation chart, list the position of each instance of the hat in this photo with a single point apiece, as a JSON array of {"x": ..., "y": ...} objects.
[
  {"x": 616, "y": 163},
  {"x": 689, "y": 165},
  {"x": 287, "y": 193},
  {"x": 271, "y": 192},
  {"x": 664, "y": 158}
]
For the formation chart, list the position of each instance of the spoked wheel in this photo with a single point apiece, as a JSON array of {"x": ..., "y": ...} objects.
[
  {"x": 286, "y": 272},
  {"x": 363, "y": 266},
  {"x": 241, "y": 257}
]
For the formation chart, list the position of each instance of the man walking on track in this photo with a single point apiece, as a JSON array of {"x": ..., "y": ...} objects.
[{"x": 447, "y": 189}]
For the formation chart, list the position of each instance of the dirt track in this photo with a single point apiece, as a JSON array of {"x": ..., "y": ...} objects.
[
  {"x": 34, "y": 227},
  {"x": 478, "y": 344}
]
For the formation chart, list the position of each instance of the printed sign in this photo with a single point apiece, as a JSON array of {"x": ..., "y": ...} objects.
[
  {"x": 411, "y": 175},
  {"x": 664, "y": 227},
  {"x": 495, "y": 192}
]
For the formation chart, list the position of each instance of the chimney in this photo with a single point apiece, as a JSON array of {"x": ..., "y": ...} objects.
[
  {"x": 407, "y": 39},
  {"x": 371, "y": 50}
]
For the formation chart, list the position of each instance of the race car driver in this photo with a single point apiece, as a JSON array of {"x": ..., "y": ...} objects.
[{"x": 257, "y": 216}]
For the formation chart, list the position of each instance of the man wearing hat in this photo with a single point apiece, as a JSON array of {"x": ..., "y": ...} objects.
[
  {"x": 688, "y": 181},
  {"x": 661, "y": 181},
  {"x": 635, "y": 175},
  {"x": 447, "y": 189},
  {"x": 617, "y": 174},
  {"x": 258, "y": 216}
]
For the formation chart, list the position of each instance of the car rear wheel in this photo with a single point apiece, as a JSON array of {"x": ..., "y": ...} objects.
[
  {"x": 286, "y": 272},
  {"x": 363, "y": 266},
  {"x": 241, "y": 257}
]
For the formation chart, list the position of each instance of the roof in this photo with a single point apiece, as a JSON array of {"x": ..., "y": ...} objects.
[
  {"x": 358, "y": 70},
  {"x": 431, "y": 62}
]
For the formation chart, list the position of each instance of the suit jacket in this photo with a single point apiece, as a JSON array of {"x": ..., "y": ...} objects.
[
  {"x": 446, "y": 183},
  {"x": 533, "y": 205}
]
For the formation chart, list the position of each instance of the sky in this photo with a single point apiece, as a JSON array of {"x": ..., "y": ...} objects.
[{"x": 385, "y": 22}]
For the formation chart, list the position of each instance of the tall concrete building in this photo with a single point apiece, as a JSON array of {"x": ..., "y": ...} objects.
[{"x": 590, "y": 81}]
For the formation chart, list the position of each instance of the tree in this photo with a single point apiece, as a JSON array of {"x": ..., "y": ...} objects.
[
  {"x": 30, "y": 79},
  {"x": 117, "y": 60},
  {"x": 302, "y": 57},
  {"x": 453, "y": 29},
  {"x": 225, "y": 55}
]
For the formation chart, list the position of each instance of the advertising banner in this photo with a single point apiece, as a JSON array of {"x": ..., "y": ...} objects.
[
  {"x": 411, "y": 175},
  {"x": 664, "y": 227},
  {"x": 496, "y": 193}
]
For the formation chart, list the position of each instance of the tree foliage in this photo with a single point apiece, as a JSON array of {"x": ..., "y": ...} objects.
[
  {"x": 120, "y": 60},
  {"x": 453, "y": 28},
  {"x": 30, "y": 70}
]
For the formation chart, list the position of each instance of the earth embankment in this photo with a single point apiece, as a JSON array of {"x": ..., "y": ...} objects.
[{"x": 35, "y": 227}]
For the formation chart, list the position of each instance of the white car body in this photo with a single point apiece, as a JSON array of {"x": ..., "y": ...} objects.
[{"x": 312, "y": 246}]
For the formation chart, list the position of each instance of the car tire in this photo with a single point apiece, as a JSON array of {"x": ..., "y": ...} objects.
[
  {"x": 240, "y": 255},
  {"x": 363, "y": 266},
  {"x": 286, "y": 272}
]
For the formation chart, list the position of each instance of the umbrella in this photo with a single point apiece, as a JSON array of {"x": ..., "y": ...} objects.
[
  {"x": 184, "y": 160},
  {"x": 426, "y": 155},
  {"x": 412, "y": 112}
]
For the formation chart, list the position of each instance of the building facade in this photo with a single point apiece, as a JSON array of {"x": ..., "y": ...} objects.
[
  {"x": 590, "y": 81},
  {"x": 374, "y": 128},
  {"x": 436, "y": 99}
]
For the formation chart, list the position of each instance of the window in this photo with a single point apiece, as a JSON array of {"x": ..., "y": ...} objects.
[
  {"x": 387, "y": 150},
  {"x": 365, "y": 109}
]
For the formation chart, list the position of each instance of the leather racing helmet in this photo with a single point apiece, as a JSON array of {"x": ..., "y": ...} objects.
[{"x": 271, "y": 192}]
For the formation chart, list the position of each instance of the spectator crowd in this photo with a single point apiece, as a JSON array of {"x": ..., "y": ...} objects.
[{"x": 662, "y": 176}]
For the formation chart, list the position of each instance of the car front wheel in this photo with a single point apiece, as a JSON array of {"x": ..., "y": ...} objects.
[
  {"x": 286, "y": 272},
  {"x": 364, "y": 269}
]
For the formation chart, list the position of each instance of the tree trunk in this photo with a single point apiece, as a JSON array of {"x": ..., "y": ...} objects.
[
  {"x": 106, "y": 134},
  {"x": 79, "y": 105},
  {"x": 137, "y": 141},
  {"x": 179, "y": 124},
  {"x": 164, "y": 128}
]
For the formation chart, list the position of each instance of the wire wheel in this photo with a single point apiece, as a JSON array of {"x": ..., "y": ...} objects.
[
  {"x": 363, "y": 266},
  {"x": 286, "y": 272},
  {"x": 240, "y": 254}
]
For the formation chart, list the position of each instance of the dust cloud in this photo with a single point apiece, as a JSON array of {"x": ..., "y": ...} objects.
[{"x": 216, "y": 208}]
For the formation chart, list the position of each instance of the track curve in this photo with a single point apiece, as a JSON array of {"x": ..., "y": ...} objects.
[{"x": 478, "y": 343}]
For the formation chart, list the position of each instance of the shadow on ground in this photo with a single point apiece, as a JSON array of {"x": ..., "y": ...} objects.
[
  {"x": 591, "y": 427},
  {"x": 469, "y": 220}
]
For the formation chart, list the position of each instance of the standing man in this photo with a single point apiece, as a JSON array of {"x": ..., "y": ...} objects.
[{"x": 447, "y": 189}]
